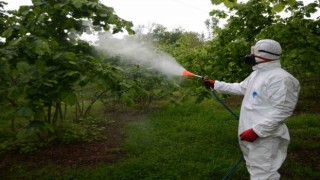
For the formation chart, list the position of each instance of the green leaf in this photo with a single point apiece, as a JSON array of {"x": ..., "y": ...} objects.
[
  {"x": 218, "y": 13},
  {"x": 22, "y": 134},
  {"x": 15, "y": 42},
  {"x": 104, "y": 15},
  {"x": 25, "y": 111},
  {"x": 7, "y": 33},
  {"x": 13, "y": 93},
  {"x": 71, "y": 73},
  {"x": 291, "y": 2},
  {"x": 77, "y": 3},
  {"x": 57, "y": 55},
  {"x": 57, "y": 6},
  {"x": 70, "y": 56},
  {"x": 49, "y": 127},
  {"x": 92, "y": 4},
  {"x": 156, "y": 91},
  {"x": 126, "y": 85},
  {"x": 216, "y": 2},
  {"x": 72, "y": 62},
  {"x": 42, "y": 47},
  {"x": 42, "y": 17},
  {"x": 23, "y": 67},
  {"x": 38, "y": 2},
  {"x": 50, "y": 82},
  {"x": 69, "y": 98},
  {"x": 229, "y": 4},
  {"x": 279, "y": 7}
]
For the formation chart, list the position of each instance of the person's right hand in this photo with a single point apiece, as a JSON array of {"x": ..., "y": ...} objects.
[
  {"x": 208, "y": 83},
  {"x": 248, "y": 135}
]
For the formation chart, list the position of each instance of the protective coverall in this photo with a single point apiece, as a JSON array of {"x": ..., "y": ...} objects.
[{"x": 270, "y": 96}]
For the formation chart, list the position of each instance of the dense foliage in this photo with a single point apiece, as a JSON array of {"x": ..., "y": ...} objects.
[
  {"x": 44, "y": 62},
  {"x": 256, "y": 20}
]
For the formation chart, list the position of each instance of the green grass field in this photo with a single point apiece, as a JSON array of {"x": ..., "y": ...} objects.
[{"x": 192, "y": 141}]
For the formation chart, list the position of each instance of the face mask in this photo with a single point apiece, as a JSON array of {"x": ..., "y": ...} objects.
[{"x": 250, "y": 60}]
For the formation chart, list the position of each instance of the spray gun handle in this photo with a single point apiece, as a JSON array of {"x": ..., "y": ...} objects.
[{"x": 208, "y": 83}]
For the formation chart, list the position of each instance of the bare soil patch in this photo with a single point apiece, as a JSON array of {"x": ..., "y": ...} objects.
[{"x": 80, "y": 154}]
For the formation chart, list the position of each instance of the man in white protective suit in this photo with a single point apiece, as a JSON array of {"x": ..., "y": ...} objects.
[{"x": 270, "y": 96}]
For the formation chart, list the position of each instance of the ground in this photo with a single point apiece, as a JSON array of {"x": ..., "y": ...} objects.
[
  {"x": 81, "y": 154},
  {"x": 110, "y": 151}
]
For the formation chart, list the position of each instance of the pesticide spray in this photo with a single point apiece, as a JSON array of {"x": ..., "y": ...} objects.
[
  {"x": 148, "y": 57},
  {"x": 143, "y": 54}
]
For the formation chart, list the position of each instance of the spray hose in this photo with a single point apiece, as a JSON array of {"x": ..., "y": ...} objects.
[
  {"x": 237, "y": 118},
  {"x": 187, "y": 73},
  {"x": 224, "y": 105}
]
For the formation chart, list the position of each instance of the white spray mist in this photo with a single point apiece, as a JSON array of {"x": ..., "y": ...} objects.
[{"x": 137, "y": 53}]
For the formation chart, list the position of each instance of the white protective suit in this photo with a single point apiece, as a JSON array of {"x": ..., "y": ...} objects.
[{"x": 270, "y": 96}]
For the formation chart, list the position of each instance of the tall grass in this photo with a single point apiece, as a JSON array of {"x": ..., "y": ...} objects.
[{"x": 194, "y": 141}]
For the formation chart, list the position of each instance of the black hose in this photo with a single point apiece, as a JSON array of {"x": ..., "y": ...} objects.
[
  {"x": 227, "y": 107},
  {"x": 237, "y": 118}
]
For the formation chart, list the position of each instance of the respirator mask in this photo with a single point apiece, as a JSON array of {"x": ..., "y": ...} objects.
[{"x": 251, "y": 58}]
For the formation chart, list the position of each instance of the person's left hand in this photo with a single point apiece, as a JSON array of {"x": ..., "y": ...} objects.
[{"x": 248, "y": 135}]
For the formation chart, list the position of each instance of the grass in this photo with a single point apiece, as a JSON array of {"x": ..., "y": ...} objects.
[
  {"x": 192, "y": 141},
  {"x": 303, "y": 154},
  {"x": 185, "y": 142}
]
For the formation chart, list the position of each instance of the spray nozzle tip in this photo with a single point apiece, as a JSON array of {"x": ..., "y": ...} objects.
[{"x": 187, "y": 73}]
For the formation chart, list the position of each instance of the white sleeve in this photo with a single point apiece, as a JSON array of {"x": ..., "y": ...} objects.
[{"x": 232, "y": 88}]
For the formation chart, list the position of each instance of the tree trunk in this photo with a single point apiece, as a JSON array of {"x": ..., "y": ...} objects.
[
  {"x": 88, "y": 110},
  {"x": 56, "y": 113},
  {"x": 49, "y": 114},
  {"x": 76, "y": 106},
  {"x": 12, "y": 123},
  {"x": 65, "y": 111},
  {"x": 60, "y": 111}
]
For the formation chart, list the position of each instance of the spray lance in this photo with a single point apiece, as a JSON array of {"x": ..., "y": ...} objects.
[{"x": 190, "y": 74}]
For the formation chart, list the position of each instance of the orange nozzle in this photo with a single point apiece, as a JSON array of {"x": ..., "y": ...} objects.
[{"x": 187, "y": 73}]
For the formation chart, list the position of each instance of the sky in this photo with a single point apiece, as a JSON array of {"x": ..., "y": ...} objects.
[{"x": 187, "y": 14}]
